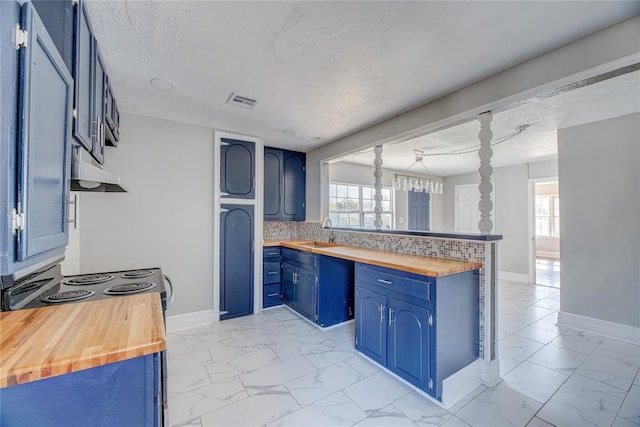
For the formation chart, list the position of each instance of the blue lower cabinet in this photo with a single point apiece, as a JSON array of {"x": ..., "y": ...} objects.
[
  {"x": 424, "y": 329},
  {"x": 126, "y": 393},
  {"x": 318, "y": 287},
  {"x": 271, "y": 277},
  {"x": 371, "y": 324},
  {"x": 271, "y": 295},
  {"x": 409, "y": 341}
]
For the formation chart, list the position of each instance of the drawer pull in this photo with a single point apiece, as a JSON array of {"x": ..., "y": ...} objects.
[
  {"x": 273, "y": 272},
  {"x": 386, "y": 282},
  {"x": 272, "y": 295},
  {"x": 272, "y": 253}
]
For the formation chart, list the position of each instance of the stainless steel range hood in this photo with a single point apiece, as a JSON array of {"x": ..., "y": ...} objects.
[{"x": 86, "y": 176}]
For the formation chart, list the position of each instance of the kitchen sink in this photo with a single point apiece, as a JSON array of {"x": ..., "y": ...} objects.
[{"x": 316, "y": 244}]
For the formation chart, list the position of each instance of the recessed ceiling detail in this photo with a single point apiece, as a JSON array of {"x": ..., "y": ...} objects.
[{"x": 162, "y": 84}]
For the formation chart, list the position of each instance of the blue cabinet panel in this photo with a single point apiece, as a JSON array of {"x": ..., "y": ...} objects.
[
  {"x": 409, "y": 341},
  {"x": 307, "y": 291},
  {"x": 418, "y": 211},
  {"x": 294, "y": 185},
  {"x": 43, "y": 141},
  {"x": 272, "y": 183},
  {"x": 237, "y": 166},
  {"x": 118, "y": 394},
  {"x": 236, "y": 261},
  {"x": 270, "y": 272},
  {"x": 83, "y": 64},
  {"x": 271, "y": 295},
  {"x": 289, "y": 293},
  {"x": 371, "y": 326},
  {"x": 271, "y": 277},
  {"x": 98, "y": 110},
  {"x": 284, "y": 185},
  {"x": 335, "y": 290}
]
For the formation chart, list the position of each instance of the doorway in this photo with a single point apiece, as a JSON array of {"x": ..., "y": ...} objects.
[{"x": 546, "y": 233}]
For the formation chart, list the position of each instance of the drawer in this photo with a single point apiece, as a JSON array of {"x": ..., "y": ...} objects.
[
  {"x": 271, "y": 272},
  {"x": 394, "y": 280},
  {"x": 271, "y": 295},
  {"x": 301, "y": 257},
  {"x": 271, "y": 252}
]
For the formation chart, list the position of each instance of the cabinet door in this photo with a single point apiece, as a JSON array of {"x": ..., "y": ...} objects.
[
  {"x": 236, "y": 261},
  {"x": 409, "y": 342},
  {"x": 307, "y": 284},
  {"x": 82, "y": 73},
  {"x": 237, "y": 169},
  {"x": 99, "y": 86},
  {"x": 294, "y": 185},
  {"x": 272, "y": 184},
  {"x": 288, "y": 284},
  {"x": 46, "y": 89},
  {"x": 371, "y": 325}
]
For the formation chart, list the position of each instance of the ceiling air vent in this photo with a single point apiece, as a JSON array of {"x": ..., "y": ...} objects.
[{"x": 241, "y": 101}]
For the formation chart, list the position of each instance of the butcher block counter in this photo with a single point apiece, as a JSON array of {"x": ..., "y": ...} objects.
[
  {"x": 424, "y": 265},
  {"x": 47, "y": 342}
]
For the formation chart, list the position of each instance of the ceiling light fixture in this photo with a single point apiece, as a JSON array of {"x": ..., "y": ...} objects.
[
  {"x": 429, "y": 184},
  {"x": 162, "y": 84}
]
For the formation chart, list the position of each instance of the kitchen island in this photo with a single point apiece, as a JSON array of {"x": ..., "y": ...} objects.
[
  {"x": 87, "y": 363},
  {"x": 415, "y": 315}
]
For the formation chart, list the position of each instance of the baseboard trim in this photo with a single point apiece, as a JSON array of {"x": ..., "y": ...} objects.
[
  {"x": 179, "y": 322},
  {"x": 461, "y": 383},
  {"x": 514, "y": 277},
  {"x": 618, "y": 331}
]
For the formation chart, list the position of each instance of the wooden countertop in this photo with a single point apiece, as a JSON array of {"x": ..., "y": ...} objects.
[
  {"x": 427, "y": 266},
  {"x": 45, "y": 342}
]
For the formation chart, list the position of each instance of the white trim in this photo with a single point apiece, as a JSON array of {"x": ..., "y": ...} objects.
[
  {"x": 514, "y": 277},
  {"x": 179, "y": 322},
  {"x": 618, "y": 331},
  {"x": 461, "y": 383}
]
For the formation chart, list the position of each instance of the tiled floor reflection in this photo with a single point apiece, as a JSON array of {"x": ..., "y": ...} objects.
[
  {"x": 548, "y": 272},
  {"x": 275, "y": 369}
]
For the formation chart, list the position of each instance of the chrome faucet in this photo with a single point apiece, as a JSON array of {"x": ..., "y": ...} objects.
[{"x": 332, "y": 238}]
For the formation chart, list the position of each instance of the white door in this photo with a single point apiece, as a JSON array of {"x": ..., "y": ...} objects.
[{"x": 467, "y": 212}]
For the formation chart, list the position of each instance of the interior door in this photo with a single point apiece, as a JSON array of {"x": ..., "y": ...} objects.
[
  {"x": 467, "y": 212},
  {"x": 46, "y": 90},
  {"x": 418, "y": 210},
  {"x": 236, "y": 261}
]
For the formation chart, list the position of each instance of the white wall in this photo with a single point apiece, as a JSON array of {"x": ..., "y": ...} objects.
[
  {"x": 604, "y": 51},
  {"x": 166, "y": 218},
  {"x": 599, "y": 171}
]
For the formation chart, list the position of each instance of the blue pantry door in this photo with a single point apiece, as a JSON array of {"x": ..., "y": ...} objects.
[
  {"x": 237, "y": 169},
  {"x": 418, "y": 204},
  {"x": 46, "y": 90},
  {"x": 236, "y": 261}
]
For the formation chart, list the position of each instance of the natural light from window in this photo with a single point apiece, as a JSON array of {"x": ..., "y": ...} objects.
[{"x": 352, "y": 206}]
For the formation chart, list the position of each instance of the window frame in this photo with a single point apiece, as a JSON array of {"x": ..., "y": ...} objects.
[{"x": 362, "y": 213}]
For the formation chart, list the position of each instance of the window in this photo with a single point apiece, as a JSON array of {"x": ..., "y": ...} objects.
[
  {"x": 352, "y": 206},
  {"x": 548, "y": 216}
]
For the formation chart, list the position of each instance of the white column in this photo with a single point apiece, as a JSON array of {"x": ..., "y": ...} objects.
[
  {"x": 485, "y": 153},
  {"x": 377, "y": 173}
]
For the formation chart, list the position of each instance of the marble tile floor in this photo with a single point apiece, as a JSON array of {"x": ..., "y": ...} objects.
[
  {"x": 275, "y": 369},
  {"x": 548, "y": 272}
]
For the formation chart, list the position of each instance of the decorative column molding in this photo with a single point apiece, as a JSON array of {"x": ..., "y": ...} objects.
[
  {"x": 485, "y": 153},
  {"x": 377, "y": 173}
]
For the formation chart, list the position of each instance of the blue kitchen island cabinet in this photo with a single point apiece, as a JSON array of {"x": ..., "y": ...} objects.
[
  {"x": 318, "y": 287},
  {"x": 125, "y": 393},
  {"x": 35, "y": 130},
  {"x": 421, "y": 328}
]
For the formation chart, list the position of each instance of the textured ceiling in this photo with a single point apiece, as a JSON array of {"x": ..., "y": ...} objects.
[
  {"x": 322, "y": 69},
  {"x": 599, "y": 101}
]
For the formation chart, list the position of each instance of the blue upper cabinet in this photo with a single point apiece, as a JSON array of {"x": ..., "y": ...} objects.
[
  {"x": 237, "y": 169},
  {"x": 284, "y": 185},
  {"x": 98, "y": 108},
  {"x": 36, "y": 128},
  {"x": 272, "y": 183},
  {"x": 83, "y": 73}
]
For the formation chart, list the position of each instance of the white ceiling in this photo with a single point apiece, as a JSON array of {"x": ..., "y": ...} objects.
[
  {"x": 323, "y": 69},
  {"x": 599, "y": 101}
]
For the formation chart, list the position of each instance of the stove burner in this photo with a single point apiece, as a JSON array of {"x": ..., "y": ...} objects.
[
  {"x": 137, "y": 274},
  {"x": 91, "y": 279},
  {"x": 130, "y": 288},
  {"x": 69, "y": 296}
]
